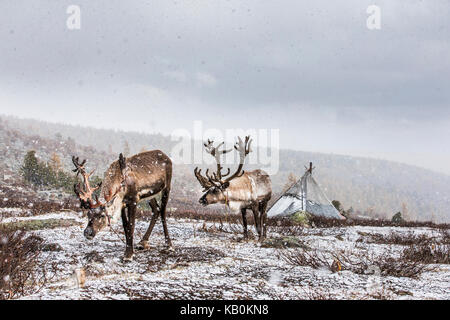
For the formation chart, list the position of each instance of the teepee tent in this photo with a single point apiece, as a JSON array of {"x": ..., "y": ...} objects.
[{"x": 304, "y": 196}]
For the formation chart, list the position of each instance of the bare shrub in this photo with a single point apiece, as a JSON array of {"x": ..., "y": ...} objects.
[
  {"x": 31, "y": 203},
  {"x": 261, "y": 289},
  {"x": 356, "y": 262},
  {"x": 404, "y": 239},
  {"x": 194, "y": 212},
  {"x": 322, "y": 222},
  {"x": 227, "y": 227},
  {"x": 21, "y": 271},
  {"x": 445, "y": 236},
  {"x": 285, "y": 227},
  {"x": 305, "y": 258},
  {"x": 361, "y": 263},
  {"x": 390, "y": 266},
  {"x": 428, "y": 253},
  {"x": 283, "y": 242}
]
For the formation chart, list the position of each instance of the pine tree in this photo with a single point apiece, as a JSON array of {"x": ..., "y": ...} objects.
[
  {"x": 30, "y": 169},
  {"x": 337, "y": 204},
  {"x": 397, "y": 218}
]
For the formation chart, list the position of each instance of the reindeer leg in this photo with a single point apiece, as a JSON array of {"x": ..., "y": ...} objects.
[
  {"x": 131, "y": 209},
  {"x": 256, "y": 216},
  {"x": 124, "y": 219},
  {"x": 125, "y": 227},
  {"x": 263, "y": 217},
  {"x": 143, "y": 244},
  {"x": 164, "y": 200},
  {"x": 244, "y": 222}
]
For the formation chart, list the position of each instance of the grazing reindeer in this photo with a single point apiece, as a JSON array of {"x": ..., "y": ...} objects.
[
  {"x": 240, "y": 191},
  {"x": 126, "y": 182}
]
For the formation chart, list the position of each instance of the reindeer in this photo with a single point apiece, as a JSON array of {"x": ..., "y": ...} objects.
[
  {"x": 126, "y": 182},
  {"x": 240, "y": 191}
]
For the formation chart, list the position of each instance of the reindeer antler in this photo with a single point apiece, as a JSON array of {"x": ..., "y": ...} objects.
[
  {"x": 216, "y": 178},
  {"x": 85, "y": 194},
  {"x": 216, "y": 153},
  {"x": 206, "y": 183},
  {"x": 243, "y": 148}
]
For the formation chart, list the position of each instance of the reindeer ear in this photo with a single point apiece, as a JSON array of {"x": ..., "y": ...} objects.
[{"x": 122, "y": 162}]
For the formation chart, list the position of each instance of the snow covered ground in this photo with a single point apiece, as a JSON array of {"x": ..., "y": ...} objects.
[{"x": 209, "y": 263}]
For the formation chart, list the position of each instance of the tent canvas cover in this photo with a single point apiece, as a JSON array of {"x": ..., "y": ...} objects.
[{"x": 304, "y": 196}]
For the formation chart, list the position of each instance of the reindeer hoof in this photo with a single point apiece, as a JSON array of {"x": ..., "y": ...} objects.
[
  {"x": 168, "y": 249},
  {"x": 128, "y": 257},
  {"x": 143, "y": 245}
]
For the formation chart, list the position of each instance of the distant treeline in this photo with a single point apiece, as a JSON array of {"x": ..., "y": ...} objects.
[{"x": 371, "y": 187}]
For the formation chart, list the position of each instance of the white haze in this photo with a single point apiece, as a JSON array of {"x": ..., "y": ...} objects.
[{"x": 310, "y": 68}]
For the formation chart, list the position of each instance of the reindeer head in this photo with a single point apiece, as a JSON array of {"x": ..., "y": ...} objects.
[
  {"x": 215, "y": 185},
  {"x": 86, "y": 196},
  {"x": 98, "y": 213}
]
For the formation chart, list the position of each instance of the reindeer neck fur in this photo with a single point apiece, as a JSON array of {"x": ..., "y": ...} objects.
[{"x": 246, "y": 190}]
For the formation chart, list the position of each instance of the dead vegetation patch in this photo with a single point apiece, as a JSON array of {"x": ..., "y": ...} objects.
[
  {"x": 428, "y": 253},
  {"x": 420, "y": 248},
  {"x": 356, "y": 262},
  {"x": 395, "y": 238},
  {"x": 322, "y": 222},
  {"x": 94, "y": 257},
  {"x": 51, "y": 247},
  {"x": 288, "y": 226},
  {"x": 171, "y": 291},
  {"x": 31, "y": 203},
  {"x": 22, "y": 271},
  {"x": 39, "y": 224},
  {"x": 226, "y": 226},
  {"x": 180, "y": 257},
  {"x": 284, "y": 242}
]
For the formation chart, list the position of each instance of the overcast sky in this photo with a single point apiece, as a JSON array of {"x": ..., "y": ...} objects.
[{"x": 309, "y": 68}]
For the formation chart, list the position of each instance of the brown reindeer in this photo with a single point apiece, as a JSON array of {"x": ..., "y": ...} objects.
[
  {"x": 126, "y": 182},
  {"x": 240, "y": 191}
]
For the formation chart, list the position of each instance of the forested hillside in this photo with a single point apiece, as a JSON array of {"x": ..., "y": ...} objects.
[{"x": 374, "y": 187}]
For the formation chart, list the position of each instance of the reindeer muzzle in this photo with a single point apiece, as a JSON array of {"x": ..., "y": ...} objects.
[{"x": 89, "y": 233}]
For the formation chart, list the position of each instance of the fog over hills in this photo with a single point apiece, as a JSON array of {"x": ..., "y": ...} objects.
[{"x": 373, "y": 187}]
